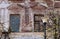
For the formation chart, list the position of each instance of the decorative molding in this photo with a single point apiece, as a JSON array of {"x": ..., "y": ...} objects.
[
  {"x": 3, "y": 4},
  {"x": 15, "y": 8}
]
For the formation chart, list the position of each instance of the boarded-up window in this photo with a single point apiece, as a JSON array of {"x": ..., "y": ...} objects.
[
  {"x": 14, "y": 22},
  {"x": 38, "y": 25}
]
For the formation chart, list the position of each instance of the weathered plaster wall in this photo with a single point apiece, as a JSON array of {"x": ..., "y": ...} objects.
[{"x": 14, "y": 9}]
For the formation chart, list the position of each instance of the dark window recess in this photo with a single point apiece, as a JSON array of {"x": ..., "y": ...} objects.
[
  {"x": 27, "y": 19},
  {"x": 14, "y": 22},
  {"x": 38, "y": 25},
  {"x": 26, "y": 16}
]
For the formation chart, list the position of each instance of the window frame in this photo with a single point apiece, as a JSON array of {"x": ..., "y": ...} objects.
[{"x": 41, "y": 15}]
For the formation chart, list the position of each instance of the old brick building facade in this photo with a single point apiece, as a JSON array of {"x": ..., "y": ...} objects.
[{"x": 24, "y": 16}]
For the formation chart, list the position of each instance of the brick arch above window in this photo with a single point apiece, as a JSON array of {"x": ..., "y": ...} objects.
[{"x": 15, "y": 8}]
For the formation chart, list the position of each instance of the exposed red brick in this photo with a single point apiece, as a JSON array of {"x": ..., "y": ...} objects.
[
  {"x": 57, "y": 5},
  {"x": 49, "y": 2},
  {"x": 33, "y": 4}
]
